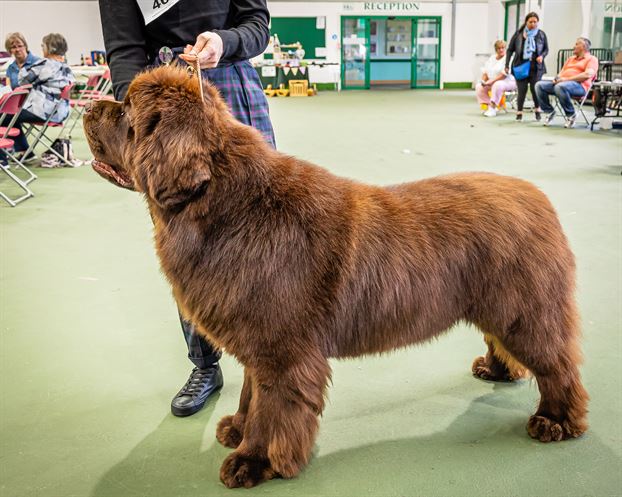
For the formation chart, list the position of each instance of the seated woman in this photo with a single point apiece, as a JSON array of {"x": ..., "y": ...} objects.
[
  {"x": 494, "y": 80},
  {"x": 48, "y": 77},
  {"x": 16, "y": 45}
]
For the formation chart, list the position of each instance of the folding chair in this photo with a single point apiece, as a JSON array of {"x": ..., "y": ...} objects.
[
  {"x": 97, "y": 88},
  {"x": 92, "y": 84},
  {"x": 39, "y": 128},
  {"x": 11, "y": 105},
  {"x": 578, "y": 104}
]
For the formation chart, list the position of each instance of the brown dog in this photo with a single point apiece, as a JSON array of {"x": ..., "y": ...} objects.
[{"x": 284, "y": 265}]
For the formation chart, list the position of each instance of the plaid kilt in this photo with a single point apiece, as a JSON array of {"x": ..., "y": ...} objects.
[{"x": 240, "y": 86}]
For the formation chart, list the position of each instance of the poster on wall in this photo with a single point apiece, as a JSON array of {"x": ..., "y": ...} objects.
[{"x": 268, "y": 71}]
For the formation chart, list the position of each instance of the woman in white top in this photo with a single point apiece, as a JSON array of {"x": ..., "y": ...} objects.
[{"x": 494, "y": 80}]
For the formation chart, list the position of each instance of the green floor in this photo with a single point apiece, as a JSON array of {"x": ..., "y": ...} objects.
[{"x": 91, "y": 351}]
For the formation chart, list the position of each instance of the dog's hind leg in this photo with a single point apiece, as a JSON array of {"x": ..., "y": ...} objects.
[
  {"x": 282, "y": 421},
  {"x": 549, "y": 347},
  {"x": 498, "y": 364},
  {"x": 231, "y": 428}
]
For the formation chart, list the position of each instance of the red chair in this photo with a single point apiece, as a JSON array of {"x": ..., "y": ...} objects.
[
  {"x": 40, "y": 128},
  {"x": 11, "y": 104},
  {"x": 97, "y": 88}
]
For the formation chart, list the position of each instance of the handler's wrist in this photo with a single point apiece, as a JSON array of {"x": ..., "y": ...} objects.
[{"x": 230, "y": 42}]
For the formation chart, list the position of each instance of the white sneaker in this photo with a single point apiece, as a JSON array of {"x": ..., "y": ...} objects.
[
  {"x": 570, "y": 121},
  {"x": 490, "y": 112},
  {"x": 549, "y": 119}
]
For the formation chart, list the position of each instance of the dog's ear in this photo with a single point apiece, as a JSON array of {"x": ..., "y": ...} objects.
[
  {"x": 179, "y": 174},
  {"x": 175, "y": 136}
]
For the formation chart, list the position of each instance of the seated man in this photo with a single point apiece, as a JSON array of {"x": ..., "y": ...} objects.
[{"x": 572, "y": 81}]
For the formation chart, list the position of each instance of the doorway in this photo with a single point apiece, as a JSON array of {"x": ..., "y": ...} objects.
[{"x": 390, "y": 52}]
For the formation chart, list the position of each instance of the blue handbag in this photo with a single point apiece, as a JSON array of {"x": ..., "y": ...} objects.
[{"x": 522, "y": 71}]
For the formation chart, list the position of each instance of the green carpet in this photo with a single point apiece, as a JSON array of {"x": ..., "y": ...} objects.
[{"x": 91, "y": 351}]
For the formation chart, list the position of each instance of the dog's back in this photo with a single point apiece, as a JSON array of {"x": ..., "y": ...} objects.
[{"x": 416, "y": 258}]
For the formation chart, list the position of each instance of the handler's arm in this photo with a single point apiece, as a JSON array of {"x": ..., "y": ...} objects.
[
  {"x": 250, "y": 34},
  {"x": 124, "y": 40}
]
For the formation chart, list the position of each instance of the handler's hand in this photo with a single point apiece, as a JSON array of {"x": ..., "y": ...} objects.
[
  {"x": 539, "y": 59},
  {"x": 208, "y": 49}
]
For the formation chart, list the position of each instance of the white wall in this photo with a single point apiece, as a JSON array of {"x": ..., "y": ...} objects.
[
  {"x": 479, "y": 24},
  {"x": 562, "y": 21},
  {"x": 471, "y": 38},
  {"x": 77, "y": 21}
]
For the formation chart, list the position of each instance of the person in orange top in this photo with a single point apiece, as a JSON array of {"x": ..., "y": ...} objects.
[{"x": 572, "y": 81}]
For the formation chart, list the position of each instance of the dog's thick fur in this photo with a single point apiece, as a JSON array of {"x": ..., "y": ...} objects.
[{"x": 284, "y": 265}]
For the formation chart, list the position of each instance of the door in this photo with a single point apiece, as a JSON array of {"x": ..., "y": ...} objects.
[
  {"x": 426, "y": 55},
  {"x": 355, "y": 52},
  {"x": 514, "y": 15}
]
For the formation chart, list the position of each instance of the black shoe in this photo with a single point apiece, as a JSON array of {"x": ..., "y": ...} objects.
[
  {"x": 519, "y": 117},
  {"x": 538, "y": 115},
  {"x": 201, "y": 384},
  {"x": 26, "y": 158}
]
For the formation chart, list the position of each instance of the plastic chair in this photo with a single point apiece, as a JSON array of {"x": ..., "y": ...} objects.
[{"x": 503, "y": 103}]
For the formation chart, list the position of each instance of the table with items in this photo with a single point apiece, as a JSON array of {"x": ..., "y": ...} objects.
[
  {"x": 281, "y": 75},
  {"x": 607, "y": 97}
]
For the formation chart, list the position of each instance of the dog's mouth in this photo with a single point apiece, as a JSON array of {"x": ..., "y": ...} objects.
[{"x": 117, "y": 177}]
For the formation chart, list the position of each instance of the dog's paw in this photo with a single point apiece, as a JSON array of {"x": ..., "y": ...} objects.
[
  {"x": 481, "y": 369},
  {"x": 242, "y": 471},
  {"x": 227, "y": 433},
  {"x": 545, "y": 429}
]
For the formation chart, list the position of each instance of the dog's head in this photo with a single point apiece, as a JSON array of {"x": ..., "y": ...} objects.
[{"x": 161, "y": 139}]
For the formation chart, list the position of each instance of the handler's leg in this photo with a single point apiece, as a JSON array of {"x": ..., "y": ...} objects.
[{"x": 205, "y": 378}]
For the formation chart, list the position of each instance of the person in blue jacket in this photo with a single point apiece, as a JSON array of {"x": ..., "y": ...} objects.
[{"x": 16, "y": 45}]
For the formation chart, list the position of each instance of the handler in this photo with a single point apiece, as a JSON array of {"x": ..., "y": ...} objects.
[{"x": 224, "y": 35}]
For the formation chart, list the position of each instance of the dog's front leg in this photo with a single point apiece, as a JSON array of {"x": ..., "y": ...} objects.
[
  {"x": 231, "y": 428},
  {"x": 281, "y": 423}
]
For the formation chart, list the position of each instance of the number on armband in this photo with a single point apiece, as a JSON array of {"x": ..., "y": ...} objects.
[{"x": 158, "y": 3}]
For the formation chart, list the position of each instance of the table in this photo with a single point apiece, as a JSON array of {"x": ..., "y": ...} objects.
[
  {"x": 610, "y": 94},
  {"x": 276, "y": 75},
  {"x": 86, "y": 71},
  {"x": 78, "y": 71},
  {"x": 281, "y": 75}
]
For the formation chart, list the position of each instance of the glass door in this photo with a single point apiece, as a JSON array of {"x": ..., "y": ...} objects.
[
  {"x": 612, "y": 33},
  {"x": 355, "y": 52},
  {"x": 426, "y": 54},
  {"x": 514, "y": 15}
]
